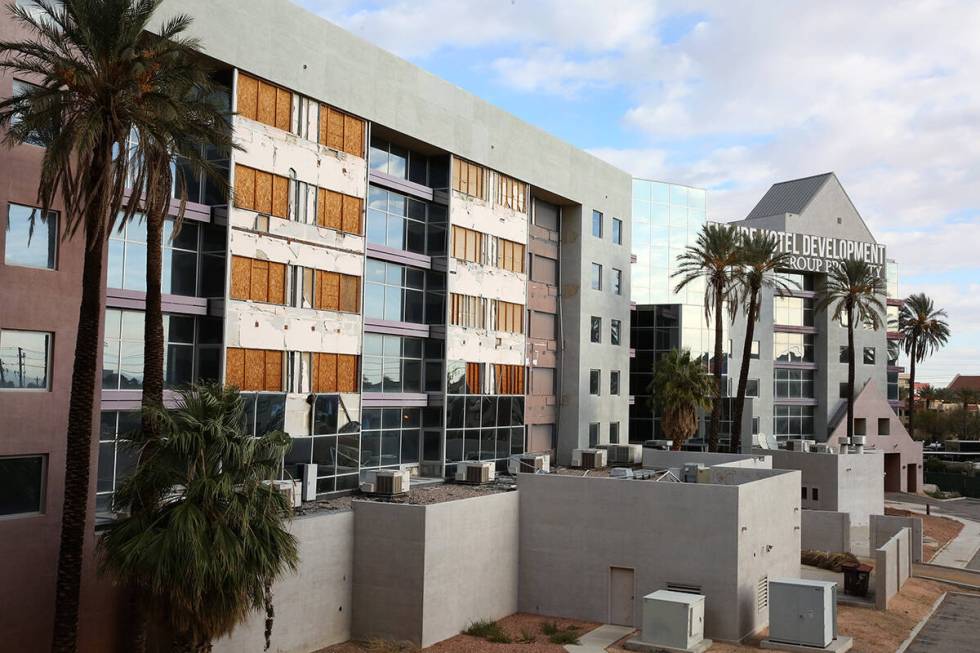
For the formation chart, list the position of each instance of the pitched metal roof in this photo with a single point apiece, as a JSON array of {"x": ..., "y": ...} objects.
[
  {"x": 964, "y": 382},
  {"x": 789, "y": 196}
]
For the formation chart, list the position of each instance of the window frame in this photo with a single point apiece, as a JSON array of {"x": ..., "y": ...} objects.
[
  {"x": 617, "y": 231},
  {"x": 615, "y": 332},
  {"x": 42, "y": 489},
  {"x": 596, "y": 281},
  {"x": 595, "y": 329},
  {"x": 48, "y": 362},
  {"x": 595, "y": 382},
  {"x": 54, "y": 245},
  {"x": 597, "y": 224}
]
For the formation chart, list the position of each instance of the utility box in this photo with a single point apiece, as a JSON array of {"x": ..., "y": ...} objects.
[
  {"x": 673, "y": 619},
  {"x": 802, "y": 612}
]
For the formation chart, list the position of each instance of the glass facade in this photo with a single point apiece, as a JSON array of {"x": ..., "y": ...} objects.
[{"x": 31, "y": 239}]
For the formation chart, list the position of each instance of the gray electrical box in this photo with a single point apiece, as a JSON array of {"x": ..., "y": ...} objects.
[
  {"x": 802, "y": 612},
  {"x": 673, "y": 619}
]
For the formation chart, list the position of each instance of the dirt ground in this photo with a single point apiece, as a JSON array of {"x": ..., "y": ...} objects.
[
  {"x": 936, "y": 531},
  {"x": 516, "y": 626}
]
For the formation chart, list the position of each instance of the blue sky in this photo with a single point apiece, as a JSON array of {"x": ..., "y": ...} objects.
[{"x": 734, "y": 95}]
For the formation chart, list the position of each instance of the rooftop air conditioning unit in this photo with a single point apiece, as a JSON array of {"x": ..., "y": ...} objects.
[
  {"x": 802, "y": 612},
  {"x": 663, "y": 445},
  {"x": 796, "y": 444},
  {"x": 673, "y": 620},
  {"x": 623, "y": 454},
  {"x": 475, "y": 473},
  {"x": 694, "y": 473},
  {"x": 621, "y": 472},
  {"x": 530, "y": 463},
  {"x": 858, "y": 440},
  {"x": 589, "y": 458},
  {"x": 386, "y": 482},
  {"x": 820, "y": 447}
]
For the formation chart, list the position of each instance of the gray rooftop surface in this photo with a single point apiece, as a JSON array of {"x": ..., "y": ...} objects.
[{"x": 789, "y": 196}]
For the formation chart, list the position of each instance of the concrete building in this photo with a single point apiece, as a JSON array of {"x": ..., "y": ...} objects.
[{"x": 405, "y": 276}]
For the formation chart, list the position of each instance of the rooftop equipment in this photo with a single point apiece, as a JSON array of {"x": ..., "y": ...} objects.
[
  {"x": 589, "y": 458},
  {"x": 802, "y": 612},
  {"x": 386, "y": 482},
  {"x": 673, "y": 620},
  {"x": 475, "y": 473}
]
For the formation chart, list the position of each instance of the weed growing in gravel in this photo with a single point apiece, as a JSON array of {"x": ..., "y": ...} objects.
[
  {"x": 488, "y": 630},
  {"x": 549, "y": 628},
  {"x": 563, "y": 637},
  {"x": 527, "y": 637}
]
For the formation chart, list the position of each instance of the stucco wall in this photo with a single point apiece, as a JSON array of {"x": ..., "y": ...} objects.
[
  {"x": 826, "y": 530},
  {"x": 848, "y": 483},
  {"x": 884, "y": 527},
  {"x": 423, "y": 573},
  {"x": 574, "y": 529},
  {"x": 892, "y": 568},
  {"x": 313, "y": 605}
]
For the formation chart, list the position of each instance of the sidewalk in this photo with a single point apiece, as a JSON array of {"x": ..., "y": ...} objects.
[
  {"x": 596, "y": 641},
  {"x": 961, "y": 549}
]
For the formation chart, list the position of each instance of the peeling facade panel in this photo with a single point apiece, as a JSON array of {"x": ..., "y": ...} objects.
[
  {"x": 484, "y": 346},
  {"x": 491, "y": 219},
  {"x": 486, "y": 281},
  {"x": 296, "y": 252},
  {"x": 269, "y": 326}
]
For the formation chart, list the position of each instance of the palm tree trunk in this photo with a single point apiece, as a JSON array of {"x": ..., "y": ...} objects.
[
  {"x": 850, "y": 373},
  {"x": 153, "y": 324},
  {"x": 911, "y": 399},
  {"x": 743, "y": 374},
  {"x": 716, "y": 405},
  {"x": 78, "y": 451}
]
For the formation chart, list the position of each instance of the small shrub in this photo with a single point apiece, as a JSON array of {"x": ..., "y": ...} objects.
[
  {"x": 549, "y": 628},
  {"x": 563, "y": 637},
  {"x": 488, "y": 630},
  {"x": 390, "y": 646},
  {"x": 527, "y": 637}
]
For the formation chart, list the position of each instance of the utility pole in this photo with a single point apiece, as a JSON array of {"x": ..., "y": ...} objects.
[{"x": 20, "y": 365}]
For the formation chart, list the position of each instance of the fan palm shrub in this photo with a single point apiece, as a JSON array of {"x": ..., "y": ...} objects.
[
  {"x": 924, "y": 331},
  {"x": 760, "y": 258},
  {"x": 714, "y": 260},
  {"x": 679, "y": 388},
  {"x": 211, "y": 534},
  {"x": 853, "y": 291}
]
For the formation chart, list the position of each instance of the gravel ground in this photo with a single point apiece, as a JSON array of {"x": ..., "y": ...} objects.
[
  {"x": 423, "y": 495},
  {"x": 516, "y": 625},
  {"x": 936, "y": 531}
]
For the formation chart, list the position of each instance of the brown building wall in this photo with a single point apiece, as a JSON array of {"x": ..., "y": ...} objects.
[
  {"x": 36, "y": 423},
  {"x": 541, "y": 407}
]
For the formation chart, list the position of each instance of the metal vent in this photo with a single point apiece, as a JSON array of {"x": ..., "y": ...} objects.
[
  {"x": 686, "y": 589},
  {"x": 478, "y": 474},
  {"x": 762, "y": 594}
]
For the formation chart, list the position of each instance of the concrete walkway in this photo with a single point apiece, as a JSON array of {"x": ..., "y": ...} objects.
[
  {"x": 962, "y": 549},
  {"x": 596, "y": 641}
]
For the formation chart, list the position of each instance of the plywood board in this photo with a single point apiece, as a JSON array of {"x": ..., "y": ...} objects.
[
  {"x": 329, "y": 291},
  {"x": 280, "y": 196},
  {"x": 284, "y": 105},
  {"x": 350, "y": 293},
  {"x": 327, "y": 377},
  {"x": 335, "y": 129},
  {"x": 346, "y": 373},
  {"x": 263, "y": 192},
  {"x": 352, "y": 136},
  {"x": 254, "y": 369},
  {"x": 324, "y": 122},
  {"x": 332, "y": 209},
  {"x": 244, "y": 187},
  {"x": 241, "y": 277},
  {"x": 235, "y": 367},
  {"x": 248, "y": 96},
  {"x": 351, "y": 215},
  {"x": 277, "y": 283},
  {"x": 273, "y": 371},
  {"x": 267, "y": 104},
  {"x": 260, "y": 281}
]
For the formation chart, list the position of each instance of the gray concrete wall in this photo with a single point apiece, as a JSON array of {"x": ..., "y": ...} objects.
[
  {"x": 659, "y": 459},
  {"x": 884, "y": 527},
  {"x": 471, "y": 551},
  {"x": 892, "y": 567},
  {"x": 826, "y": 530},
  {"x": 313, "y": 605},
  {"x": 574, "y": 529},
  {"x": 845, "y": 483},
  {"x": 423, "y": 573}
]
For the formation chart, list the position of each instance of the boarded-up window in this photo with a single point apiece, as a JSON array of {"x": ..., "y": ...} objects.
[
  {"x": 338, "y": 211},
  {"x": 510, "y": 255},
  {"x": 542, "y": 325},
  {"x": 258, "y": 281},
  {"x": 508, "y": 317},
  {"x": 508, "y": 379},
  {"x": 469, "y": 178},
  {"x": 338, "y": 292},
  {"x": 264, "y": 102},
  {"x": 544, "y": 269},
  {"x": 335, "y": 373},
  {"x": 254, "y": 369},
  {"x": 467, "y": 244},
  {"x": 341, "y": 131},
  {"x": 474, "y": 384},
  {"x": 260, "y": 191},
  {"x": 511, "y": 193},
  {"x": 468, "y": 311}
]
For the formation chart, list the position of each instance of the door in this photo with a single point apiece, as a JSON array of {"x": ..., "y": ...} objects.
[
  {"x": 893, "y": 472},
  {"x": 912, "y": 481},
  {"x": 621, "y": 596}
]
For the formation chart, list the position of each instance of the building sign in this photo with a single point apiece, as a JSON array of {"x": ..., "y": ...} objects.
[{"x": 810, "y": 253}]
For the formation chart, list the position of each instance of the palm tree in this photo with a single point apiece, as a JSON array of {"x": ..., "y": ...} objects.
[
  {"x": 928, "y": 394},
  {"x": 924, "y": 331},
  {"x": 965, "y": 397},
  {"x": 211, "y": 536},
  {"x": 679, "y": 388},
  {"x": 760, "y": 258},
  {"x": 96, "y": 76},
  {"x": 854, "y": 291},
  {"x": 713, "y": 259}
]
